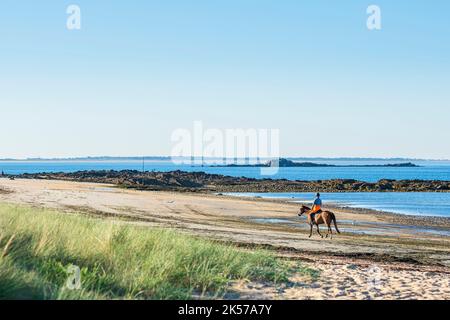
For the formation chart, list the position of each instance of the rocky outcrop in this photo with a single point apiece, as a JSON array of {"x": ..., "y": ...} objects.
[
  {"x": 285, "y": 163},
  {"x": 201, "y": 181}
]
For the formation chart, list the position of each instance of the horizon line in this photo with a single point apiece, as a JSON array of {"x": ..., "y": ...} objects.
[{"x": 140, "y": 158}]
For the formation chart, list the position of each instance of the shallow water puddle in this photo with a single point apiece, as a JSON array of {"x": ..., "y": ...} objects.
[{"x": 369, "y": 228}]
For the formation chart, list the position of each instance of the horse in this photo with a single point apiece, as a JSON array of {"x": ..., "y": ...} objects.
[{"x": 319, "y": 218}]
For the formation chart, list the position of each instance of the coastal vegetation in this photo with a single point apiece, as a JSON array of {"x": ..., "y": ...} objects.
[{"x": 39, "y": 250}]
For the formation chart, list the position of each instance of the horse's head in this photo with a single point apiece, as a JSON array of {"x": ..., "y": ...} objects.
[{"x": 303, "y": 209}]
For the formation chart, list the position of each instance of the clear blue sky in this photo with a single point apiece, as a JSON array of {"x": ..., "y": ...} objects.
[{"x": 137, "y": 70}]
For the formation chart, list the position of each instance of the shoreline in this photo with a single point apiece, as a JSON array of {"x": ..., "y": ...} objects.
[
  {"x": 417, "y": 220},
  {"x": 414, "y": 265},
  {"x": 203, "y": 182},
  {"x": 43, "y": 195},
  {"x": 420, "y": 220}
]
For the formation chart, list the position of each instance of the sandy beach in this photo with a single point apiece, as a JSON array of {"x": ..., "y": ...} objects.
[{"x": 377, "y": 255}]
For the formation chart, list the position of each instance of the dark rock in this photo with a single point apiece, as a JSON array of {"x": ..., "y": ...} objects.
[{"x": 201, "y": 181}]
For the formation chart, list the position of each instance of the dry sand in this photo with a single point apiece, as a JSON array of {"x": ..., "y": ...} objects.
[{"x": 398, "y": 262}]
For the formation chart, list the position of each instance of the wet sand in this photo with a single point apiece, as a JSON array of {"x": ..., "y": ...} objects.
[{"x": 408, "y": 255}]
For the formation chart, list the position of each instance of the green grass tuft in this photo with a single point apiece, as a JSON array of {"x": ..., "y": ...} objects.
[{"x": 117, "y": 261}]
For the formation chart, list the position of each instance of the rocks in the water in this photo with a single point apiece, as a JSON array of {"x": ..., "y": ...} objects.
[{"x": 201, "y": 181}]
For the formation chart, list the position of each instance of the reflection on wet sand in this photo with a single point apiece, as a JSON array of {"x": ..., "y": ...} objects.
[{"x": 356, "y": 227}]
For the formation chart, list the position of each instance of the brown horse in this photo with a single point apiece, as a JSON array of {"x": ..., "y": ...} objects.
[{"x": 319, "y": 218}]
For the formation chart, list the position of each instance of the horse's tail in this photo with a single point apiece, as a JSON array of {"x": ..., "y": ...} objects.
[{"x": 333, "y": 217}]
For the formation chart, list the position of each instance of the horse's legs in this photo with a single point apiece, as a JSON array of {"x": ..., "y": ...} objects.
[
  {"x": 310, "y": 230},
  {"x": 318, "y": 230},
  {"x": 331, "y": 231}
]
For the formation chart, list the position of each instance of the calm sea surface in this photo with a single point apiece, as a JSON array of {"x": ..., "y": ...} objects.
[
  {"x": 428, "y": 170},
  {"x": 411, "y": 203}
]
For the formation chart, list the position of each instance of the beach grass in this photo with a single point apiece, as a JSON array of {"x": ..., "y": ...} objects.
[{"x": 41, "y": 251}]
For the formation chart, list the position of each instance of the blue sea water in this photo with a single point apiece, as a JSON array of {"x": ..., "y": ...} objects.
[
  {"x": 435, "y": 204},
  {"x": 427, "y": 170},
  {"x": 411, "y": 203}
]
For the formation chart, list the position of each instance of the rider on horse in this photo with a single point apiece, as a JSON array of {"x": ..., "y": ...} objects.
[{"x": 317, "y": 206}]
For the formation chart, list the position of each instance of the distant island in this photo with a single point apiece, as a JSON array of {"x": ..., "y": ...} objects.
[
  {"x": 285, "y": 163},
  {"x": 315, "y": 160}
]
